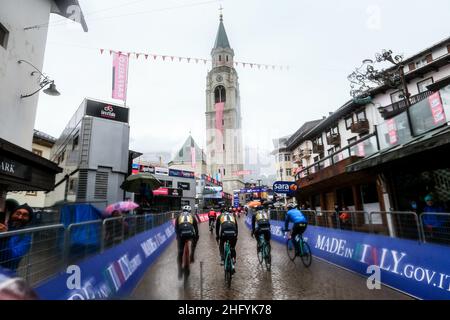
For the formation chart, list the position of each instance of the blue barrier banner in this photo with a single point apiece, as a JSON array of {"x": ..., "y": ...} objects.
[
  {"x": 419, "y": 269},
  {"x": 114, "y": 273}
]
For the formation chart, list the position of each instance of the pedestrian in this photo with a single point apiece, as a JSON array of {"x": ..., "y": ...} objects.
[
  {"x": 345, "y": 219},
  {"x": 434, "y": 224},
  {"x": 14, "y": 248}
]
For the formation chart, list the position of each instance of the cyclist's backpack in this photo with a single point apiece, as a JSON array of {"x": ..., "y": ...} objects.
[
  {"x": 186, "y": 225},
  {"x": 262, "y": 221},
  {"x": 227, "y": 221}
]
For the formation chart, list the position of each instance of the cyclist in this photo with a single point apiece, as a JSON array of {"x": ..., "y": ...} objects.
[
  {"x": 227, "y": 229},
  {"x": 186, "y": 228},
  {"x": 298, "y": 219},
  {"x": 212, "y": 215},
  {"x": 261, "y": 225}
]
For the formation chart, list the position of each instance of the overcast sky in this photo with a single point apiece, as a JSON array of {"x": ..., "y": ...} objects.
[{"x": 322, "y": 42}]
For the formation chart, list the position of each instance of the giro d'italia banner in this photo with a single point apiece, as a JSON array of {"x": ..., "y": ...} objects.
[
  {"x": 421, "y": 270},
  {"x": 112, "y": 274}
]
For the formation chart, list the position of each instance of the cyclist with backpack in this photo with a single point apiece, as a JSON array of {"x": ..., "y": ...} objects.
[
  {"x": 227, "y": 229},
  {"x": 261, "y": 226},
  {"x": 186, "y": 228},
  {"x": 298, "y": 219}
]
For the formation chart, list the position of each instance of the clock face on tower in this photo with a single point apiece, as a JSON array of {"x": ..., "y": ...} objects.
[{"x": 219, "y": 78}]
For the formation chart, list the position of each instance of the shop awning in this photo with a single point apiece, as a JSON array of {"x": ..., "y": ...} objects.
[
  {"x": 22, "y": 170},
  {"x": 421, "y": 144}
]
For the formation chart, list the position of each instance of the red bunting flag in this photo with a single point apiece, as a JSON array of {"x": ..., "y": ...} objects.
[
  {"x": 154, "y": 57},
  {"x": 188, "y": 59},
  {"x": 204, "y": 60},
  {"x": 251, "y": 65},
  {"x": 259, "y": 66},
  {"x": 243, "y": 64},
  {"x": 171, "y": 58},
  {"x": 110, "y": 52},
  {"x": 137, "y": 55},
  {"x": 146, "y": 56},
  {"x": 128, "y": 54},
  {"x": 196, "y": 60},
  {"x": 164, "y": 58},
  {"x": 101, "y": 51}
]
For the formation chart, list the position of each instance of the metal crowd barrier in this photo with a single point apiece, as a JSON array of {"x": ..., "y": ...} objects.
[
  {"x": 424, "y": 227},
  {"x": 37, "y": 253}
]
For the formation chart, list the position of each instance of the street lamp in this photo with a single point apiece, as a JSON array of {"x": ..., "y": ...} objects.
[{"x": 43, "y": 82}]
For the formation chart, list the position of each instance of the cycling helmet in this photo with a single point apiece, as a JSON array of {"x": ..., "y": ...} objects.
[
  {"x": 187, "y": 209},
  {"x": 291, "y": 205}
]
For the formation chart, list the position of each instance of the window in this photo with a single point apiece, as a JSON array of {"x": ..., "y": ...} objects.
[
  {"x": 333, "y": 131},
  {"x": 349, "y": 122},
  {"x": 223, "y": 147},
  {"x": 318, "y": 141},
  {"x": 287, "y": 157},
  {"x": 219, "y": 94},
  {"x": 330, "y": 151},
  {"x": 397, "y": 96},
  {"x": 184, "y": 186},
  {"x": 422, "y": 85},
  {"x": 3, "y": 36},
  {"x": 352, "y": 140},
  {"x": 31, "y": 193},
  {"x": 288, "y": 172},
  {"x": 361, "y": 115},
  {"x": 220, "y": 57},
  {"x": 38, "y": 152},
  {"x": 227, "y": 58},
  {"x": 281, "y": 157},
  {"x": 223, "y": 122},
  {"x": 224, "y": 172},
  {"x": 75, "y": 142},
  {"x": 421, "y": 62}
]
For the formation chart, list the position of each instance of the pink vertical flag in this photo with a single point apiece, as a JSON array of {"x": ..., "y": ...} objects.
[
  {"x": 193, "y": 158},
  {"x": 120, "y": 76},
  {"x": 219, "y": 125}
]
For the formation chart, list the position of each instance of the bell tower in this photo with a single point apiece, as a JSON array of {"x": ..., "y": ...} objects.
[{"x": 223, "y": 115}]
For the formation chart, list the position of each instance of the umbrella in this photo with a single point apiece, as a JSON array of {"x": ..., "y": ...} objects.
[
  {"x": 254, "y": 204},
  {"x": 121, "y": 206},
  {"x": 133, "y": 182}
]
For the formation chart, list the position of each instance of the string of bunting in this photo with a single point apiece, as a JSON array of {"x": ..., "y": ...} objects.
[{"x": 153, "y": 56}]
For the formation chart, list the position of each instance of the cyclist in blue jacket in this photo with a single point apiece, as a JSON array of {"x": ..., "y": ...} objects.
[{"x": 298, "y": 219}]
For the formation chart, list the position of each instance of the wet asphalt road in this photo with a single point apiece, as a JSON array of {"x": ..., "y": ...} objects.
[{"x": 286, "y": 281}]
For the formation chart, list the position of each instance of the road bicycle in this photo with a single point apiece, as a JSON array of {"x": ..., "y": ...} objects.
[
  {"x": 301, "y": 247},
  {"x": 211, "y": 226},
  {"x": 228, "y": 265},
  {"x": 264, "y": 253},
  {"x": 186, "y": 261}
]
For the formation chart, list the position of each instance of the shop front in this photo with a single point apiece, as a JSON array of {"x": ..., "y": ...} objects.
[{"x": 22, "y": 170}]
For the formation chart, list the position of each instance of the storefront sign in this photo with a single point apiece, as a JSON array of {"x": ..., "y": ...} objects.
[
  {"x": 437, "y": 109},
  {"x": 146, "y": 169},
  {"x": 181, "y": 174},
  {"x": 184, "y": 185},
  {"x": 162, "y": 171},
  {"x": 284, "y": 187},
  {"x": 14, "y": 169},
  {"x": 392, "y": 131},
  {"x": 161, "y": 192},
  {"x": 175, "y": 192},
  {"x": 106, "y": 111}
]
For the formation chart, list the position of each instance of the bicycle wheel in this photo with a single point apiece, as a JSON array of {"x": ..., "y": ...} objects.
[
  {"x": 267, "y": 256},
  {"x": 306, "y": 256},
  {"x": 290, "y": 249},
  {"x": 227, "y": 269},
  {"x": 260, "y": 253},
  {"x": 186, "y": 262}
]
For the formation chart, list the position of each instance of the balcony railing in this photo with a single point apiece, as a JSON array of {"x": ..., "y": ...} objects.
[
  {"x": 398, "y": 107},
  {"x": 361, "y": 148},
  {"x": 361, "y": 126},
  {"x": 334, "y": 139}
]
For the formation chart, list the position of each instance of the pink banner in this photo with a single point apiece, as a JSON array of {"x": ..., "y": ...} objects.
[
  {"x": 437, "y": 109},
  {"x": 120, "y": 76},
  {"x": 161, "y": 192},
  {"x": 361, "y": 151},
  {"x": 193, "y": 160},
  {"x": 392, "y": 131},
  {"x": 219, "y": 125}
]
